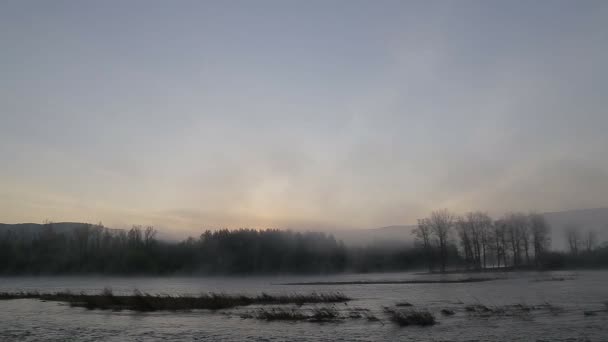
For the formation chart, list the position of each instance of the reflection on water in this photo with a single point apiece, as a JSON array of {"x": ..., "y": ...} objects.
[{"x": 32, "y": 320}]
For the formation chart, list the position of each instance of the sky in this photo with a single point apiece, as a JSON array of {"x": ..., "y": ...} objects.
[{"x": 299, "y": 114}]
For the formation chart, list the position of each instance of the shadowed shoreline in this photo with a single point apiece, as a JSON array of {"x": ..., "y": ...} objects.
[{"x": 376, "y": 282}]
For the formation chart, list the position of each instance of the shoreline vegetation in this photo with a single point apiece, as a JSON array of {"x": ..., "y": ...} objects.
[
  {"x": 444, "y": 243},
  {"x": 314, "y": 307},
  {"x": 144, "y": 302}
]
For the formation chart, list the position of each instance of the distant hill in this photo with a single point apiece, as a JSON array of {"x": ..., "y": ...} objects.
[
  {"x": 32, "y": 229},
  {"x": 399, "y": 235}
]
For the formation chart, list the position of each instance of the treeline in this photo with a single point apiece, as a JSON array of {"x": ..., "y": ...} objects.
[
  {"x": 516, "y": 240},
  {"x": 87, "y": 248},
  {"x": 96, "y": 249},
  {"x": 445, "y": 241}
]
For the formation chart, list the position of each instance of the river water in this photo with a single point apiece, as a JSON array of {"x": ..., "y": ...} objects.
[{"x": 573, "y": 292}]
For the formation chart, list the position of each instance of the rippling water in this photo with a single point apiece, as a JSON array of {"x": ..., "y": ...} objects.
[{"x": 33, "y": 320}]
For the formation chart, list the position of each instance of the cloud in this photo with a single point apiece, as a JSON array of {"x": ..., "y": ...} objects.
[{"x": 358, "y": 116}]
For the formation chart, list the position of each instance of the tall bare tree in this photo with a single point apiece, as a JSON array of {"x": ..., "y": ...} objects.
[
  {"x": 423, "y": 236},
  {"x": 464, "y": 233},
  {"x": 516, "y": 225},
  {"x": 524, "y": 237},
  {"x": 149, "y": 235},
  {"x": 573, "y": 235},
  {"x": 590, "y": 240},
  {"x": 474, "y": 230},
  {"x": 441, "y": 223},
  {"x": 500, "y": 242},
  {"x": 541, "y": 238}
]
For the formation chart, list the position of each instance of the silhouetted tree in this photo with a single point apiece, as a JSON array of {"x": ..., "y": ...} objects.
[
  {"x": 573, "y": 236},
  {"x": 541, "y": 238},
  {"x": 590, "y": 240},
  {"x": 423, "y": 234},
  {"x": 441, "y": 222}
]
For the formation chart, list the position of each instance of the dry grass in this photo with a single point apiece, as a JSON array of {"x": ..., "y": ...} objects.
[
  {"x": 139, "y": 301},
  {"x": 314, "y": 314},
  {"x": 513, "y": 310},
  {"x": 361, "y": 313},
  {"x": 404, "y": 304},
  {"x": 324, "y": 314},
  {"x": 447, "y": 312},
  {"x": 410, "y": 317},
  {"x": 277, "y": 314}
]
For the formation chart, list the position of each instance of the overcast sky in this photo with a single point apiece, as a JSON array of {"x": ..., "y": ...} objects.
[{"x": 299, "y": 114}]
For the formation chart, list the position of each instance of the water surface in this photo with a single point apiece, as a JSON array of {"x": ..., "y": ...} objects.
[{"x": 33, "y": 320}]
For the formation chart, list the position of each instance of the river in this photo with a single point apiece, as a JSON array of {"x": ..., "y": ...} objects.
[{"x": 573, "y": 292}]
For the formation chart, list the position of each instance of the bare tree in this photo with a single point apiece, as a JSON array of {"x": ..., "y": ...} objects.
[
  {"x": 500, "y": 242},
  {"x": 524, "y": 237},
  {"x": 464, "y": 233},
  {"x": 423, "y": 236},
  {"x": 573, "y": 235},
  {"x": 135, "y": 235},
  {"x": 516, "y": 225},
  {"x": 483, "y": 224},
  {"x": 590, "y": 240},
  {"x": 541, "y": 238},
  {"x": 512, "y": 235},
  {"x": 474, "y": 231},
  {"x": 149, "y": 235},
  {"x": 441, "y": 223}
]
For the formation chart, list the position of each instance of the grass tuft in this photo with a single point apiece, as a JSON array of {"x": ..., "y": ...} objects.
[
  {"x": 277, "y": 314},
  {"x": 404, "y": 304},
  {"x": 410, "y": 317},
  {"x": 324, "y": 314},
  {"x": 447, "y": 312}
]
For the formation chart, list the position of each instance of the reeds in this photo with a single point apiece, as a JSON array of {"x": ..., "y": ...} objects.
[
  {"x": 447, "y": 312},
  {"x": 404, "y": 304},
  {"x": 140, "y": 301},
  {"x": 519, "y": 309},
  {"x": 314, "y": 314},
  {"x": 324, "y": 314},
  {"x": 410, "y": 317},
  {"x": 277, "y": 314},
  {"x": 361, "y": 313}
]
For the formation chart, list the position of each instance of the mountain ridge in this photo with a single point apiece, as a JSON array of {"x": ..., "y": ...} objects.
[{"x": 595, "y": 219}]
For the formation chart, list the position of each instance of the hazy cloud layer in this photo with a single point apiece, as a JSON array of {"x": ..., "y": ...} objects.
[{"x": 300, "y": 114}]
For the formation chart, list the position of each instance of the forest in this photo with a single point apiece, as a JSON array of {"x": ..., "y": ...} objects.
[
  {"x": 443, "y": 242},
  {"x": 93, "y": 248}
]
